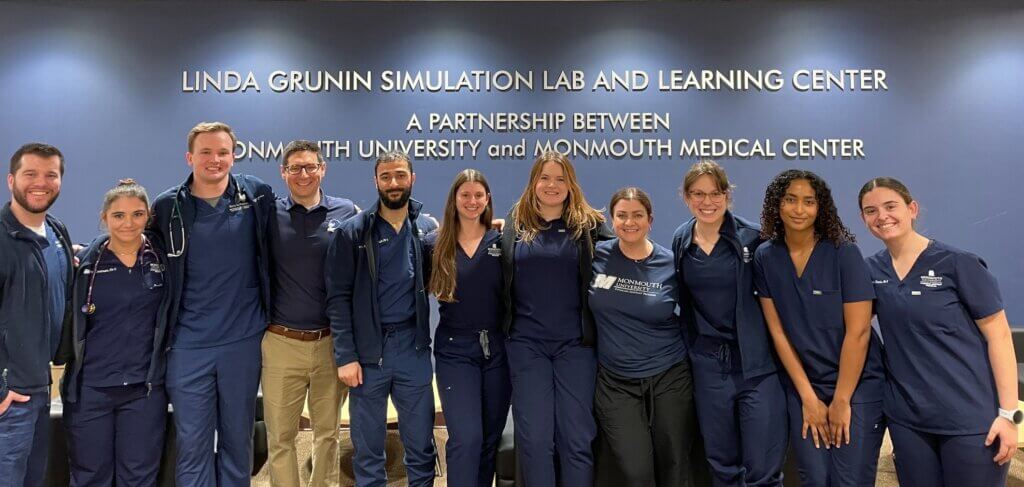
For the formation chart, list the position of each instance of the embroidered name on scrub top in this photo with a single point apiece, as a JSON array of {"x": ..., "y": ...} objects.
[
  {"x": 127, "y": 301},
  {"x": 940, "y": 377}
]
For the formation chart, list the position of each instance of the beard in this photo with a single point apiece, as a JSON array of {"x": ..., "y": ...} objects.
[
  {"x": 20, "y": 197},
  {"x": 395, "y": 204}
]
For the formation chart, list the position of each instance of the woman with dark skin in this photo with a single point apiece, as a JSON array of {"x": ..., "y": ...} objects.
[{"x": 816, "y": 294}]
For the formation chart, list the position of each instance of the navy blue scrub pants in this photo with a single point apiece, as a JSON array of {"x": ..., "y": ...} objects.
[
  {"x": 553, "y": 385},
  {"x": 116, "y": 435},
  {"x": 850, "y": 465},
  {"x": 25, "y": 441},
  {"x": 475, "y": 389},
  {"x": 214, "y": 389},
  {"x": 404, "y": 373},
  {"x": 647, "y": 426},
  {"x": 943, "y": 460},
  {"x": 743, "y": 421}
]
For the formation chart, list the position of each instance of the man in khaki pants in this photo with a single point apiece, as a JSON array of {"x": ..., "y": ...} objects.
[{"x": 298, "y": 353}]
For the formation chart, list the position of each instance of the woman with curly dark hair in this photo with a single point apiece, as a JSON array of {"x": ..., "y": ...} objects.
[{"x": 816, "y": 294}]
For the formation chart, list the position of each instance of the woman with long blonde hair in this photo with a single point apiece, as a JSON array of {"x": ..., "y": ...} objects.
[
  {"x": 469, "y": 345},
  {"x": 547, "y": 250}
]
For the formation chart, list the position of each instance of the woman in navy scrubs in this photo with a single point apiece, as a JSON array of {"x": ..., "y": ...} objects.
[
  {"x": 115, "y": 407},
  {"x": 547, "y": 249},
  {"x": 644, "y": 397},
  {"x": 951, "y": 398},
  {"x": 816, "y": 294},
  {"x": 741, "y": 406},
  {"x": 469, "y": 345}
]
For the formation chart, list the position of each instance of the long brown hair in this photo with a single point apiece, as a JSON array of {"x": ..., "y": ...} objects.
[
  {"x": 442, "y": 277},
  {"x": 579, "y": 216}
]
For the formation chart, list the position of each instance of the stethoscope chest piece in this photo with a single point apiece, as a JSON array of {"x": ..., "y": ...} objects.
[{"x": 88, "y": 308}]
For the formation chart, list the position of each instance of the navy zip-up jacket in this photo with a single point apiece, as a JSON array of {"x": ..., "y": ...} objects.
[
  {"x": 70, "y": 386},
  {"x": 584, "y": 245},
  {"x": 25, "y": 352},
  {"x": 350, "y": 274},
  {"x": 756, "y": 352},
  {"x": 174, "y": 225}
]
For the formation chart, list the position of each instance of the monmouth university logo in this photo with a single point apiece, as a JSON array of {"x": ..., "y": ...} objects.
[{"x": 602, "y": 281}]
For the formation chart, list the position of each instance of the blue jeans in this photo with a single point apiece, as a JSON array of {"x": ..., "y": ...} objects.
[{"x": 25, "y": 441}]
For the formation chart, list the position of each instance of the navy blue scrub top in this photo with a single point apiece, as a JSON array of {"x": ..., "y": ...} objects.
[
  {"x": 298, "y": 246},
  {"x": 811, "y": 310},
  {"x": 638, "y": 331},
  {"x": 55, "y": 260},
  {"x": 220, "y": 302},
  {"x": 940, "y": 377},
  {"x": 396, "y": 277},
  {"x": 478, "y": 286},
  {"x": 711, "y": 280},
  {"x": 546, "y": 285},
  {"x": 119, "y": 335}
]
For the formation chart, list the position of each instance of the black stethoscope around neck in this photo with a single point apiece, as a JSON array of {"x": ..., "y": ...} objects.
[
  {"x": 179, "y": 250},
  {"x": 148, "y": 279}
]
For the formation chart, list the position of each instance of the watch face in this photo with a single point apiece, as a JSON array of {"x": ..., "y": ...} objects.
[{"x": 1018, "y": 416}]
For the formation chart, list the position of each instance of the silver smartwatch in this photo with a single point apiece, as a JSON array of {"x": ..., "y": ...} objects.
[{"x": 1015, "y": 416}]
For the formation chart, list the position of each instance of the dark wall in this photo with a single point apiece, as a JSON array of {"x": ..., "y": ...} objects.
[{"x": 103, "y": 82}]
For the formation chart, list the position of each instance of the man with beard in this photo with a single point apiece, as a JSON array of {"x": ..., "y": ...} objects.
[
  {"x": 35, "y": 280},
  {"x": 379, "y": 316},
  {"x": 213, "y": 226}
]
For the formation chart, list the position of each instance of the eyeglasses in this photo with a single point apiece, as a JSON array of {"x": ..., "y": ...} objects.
[
  {"x": 294, "y": 170},
  {"x": 716, "y": 196}
]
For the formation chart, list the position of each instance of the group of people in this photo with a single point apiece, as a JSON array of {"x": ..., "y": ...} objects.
[{"x": 615, "y": 353}]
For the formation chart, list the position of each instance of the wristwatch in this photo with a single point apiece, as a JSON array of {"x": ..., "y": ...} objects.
[{"x": 1015, "y": 416}]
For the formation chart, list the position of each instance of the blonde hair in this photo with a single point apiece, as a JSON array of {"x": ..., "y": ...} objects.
[
  {"x": 579, "y": 216},
  {"x": 207, "y": 127}
]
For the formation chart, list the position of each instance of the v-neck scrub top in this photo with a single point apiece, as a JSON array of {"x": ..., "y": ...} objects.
[
  {"x": 711, "y": 280},
  {"x": 546, "y": 285},
  {"x": 940, "y": 377},
  {"x": 811, "y": 310},
  {"x": 477, "y": 304},
  {"x": 119, "y": 335},
  {"x": 396, "y": 281}
]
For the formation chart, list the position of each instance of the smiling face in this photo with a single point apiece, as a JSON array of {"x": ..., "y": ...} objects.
[
  {"x": 211, "y": 157},
  {"x": 631, "y": 221},
  {"x": 394, "y": 183},
  {"x": 36, "y": 184},
  {"x": 706, "y": 201},
  {"x": 799, "y": 207},
  {"x": 551, "y": 187},
  {"x": 471, "y": 200},
  {"x": 887, "y": 215},
  {"x": 306, "y": 183},
  {"x": 125, "y": 219}
]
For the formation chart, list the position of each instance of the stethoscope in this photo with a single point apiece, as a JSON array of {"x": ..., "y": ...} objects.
[
  {"x": 150, "y": 282},
  {"x": 176, "y": 251}
]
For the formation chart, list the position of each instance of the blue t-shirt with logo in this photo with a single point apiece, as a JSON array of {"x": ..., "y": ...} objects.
[{"x": 634, "y": 306}]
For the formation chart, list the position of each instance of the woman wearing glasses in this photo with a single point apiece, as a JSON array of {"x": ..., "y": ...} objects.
[
  {"x": 741, "y": 406},
  {"x": 115, "y": 407}
]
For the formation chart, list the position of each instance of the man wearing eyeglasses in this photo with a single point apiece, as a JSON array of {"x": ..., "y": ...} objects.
[
  {"x": 213, "y": 227},
  {"x": 298, "y": 354}
]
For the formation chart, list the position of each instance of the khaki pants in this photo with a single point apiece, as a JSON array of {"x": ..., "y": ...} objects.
[{"x": 291, "y": 369}]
